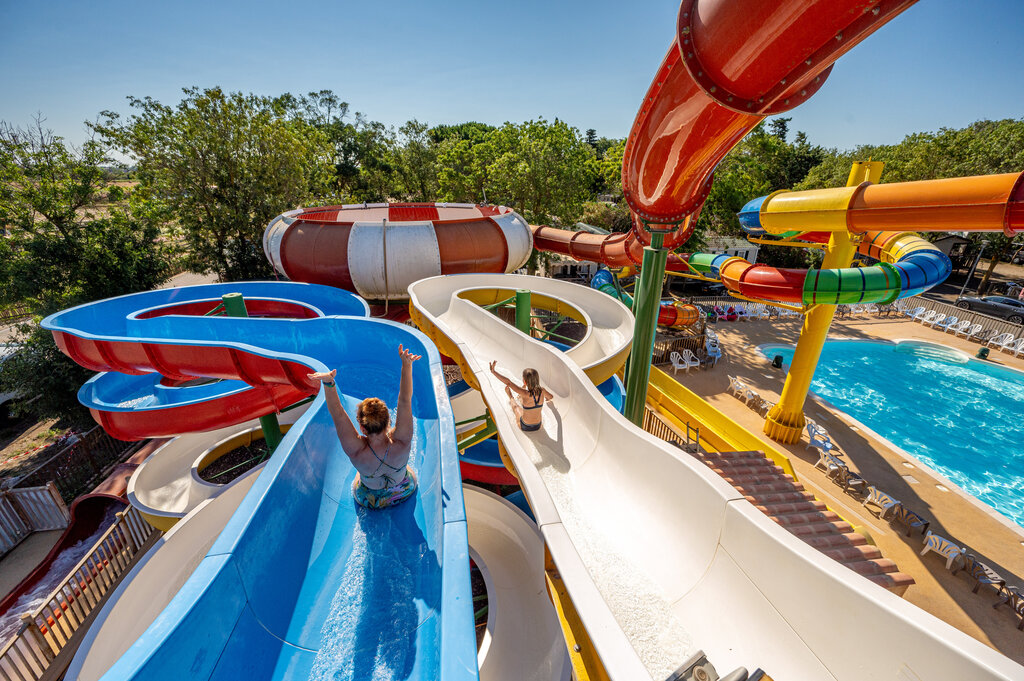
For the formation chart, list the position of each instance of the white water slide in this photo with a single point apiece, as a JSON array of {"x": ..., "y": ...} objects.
[{"x": 660, "y": 556}]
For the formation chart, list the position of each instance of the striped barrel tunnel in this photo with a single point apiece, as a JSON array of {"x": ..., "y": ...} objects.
[{"x": 377, "y": 250}]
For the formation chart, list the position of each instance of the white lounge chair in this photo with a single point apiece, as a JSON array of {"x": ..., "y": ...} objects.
[
  {"x": 741, "y": 313},
  {"x": 999, "y": 340},
  {"x": 885, "y": 503},
  {"x": 692, "y": 360},
  {"x": 927, "y": 317},
  {"x": 934, "y": 320},
  {"x": 943, "y": 547},
  {"x": 971, "y": 331},
  {"x": 871, "y": 308},
  {"x": 1014, "y": 346},
  {"x": 736, "y": 385},
  {"x": 946, "y": 323},
  {"x": 958, "y": 327},
  {"x": 913, "y": 314}
]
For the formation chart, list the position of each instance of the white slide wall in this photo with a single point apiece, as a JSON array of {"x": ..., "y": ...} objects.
[{"x": 661, "y": 557}]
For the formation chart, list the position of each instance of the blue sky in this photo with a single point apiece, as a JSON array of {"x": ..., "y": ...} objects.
[{"x": 940, "y": 63}]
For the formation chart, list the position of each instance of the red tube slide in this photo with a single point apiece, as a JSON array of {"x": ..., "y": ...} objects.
[{"x": 733, "y": 63}]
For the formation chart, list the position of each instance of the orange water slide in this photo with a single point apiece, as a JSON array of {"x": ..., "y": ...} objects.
[{"x": 733, "y": 63}]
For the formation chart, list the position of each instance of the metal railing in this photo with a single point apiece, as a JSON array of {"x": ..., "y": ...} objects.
[
  {"x": 81, "y": 464},
  {"x": 657, "y": 426},
  {"x": 13, "y": 313},
  {"x": 52, "y": 626},
  {"x": 27, "y": 510}
]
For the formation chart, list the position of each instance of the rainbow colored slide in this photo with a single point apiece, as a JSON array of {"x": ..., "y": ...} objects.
[{"x": 881, "y": 214}]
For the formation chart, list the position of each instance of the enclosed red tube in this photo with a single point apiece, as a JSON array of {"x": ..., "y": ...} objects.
[{"x": 733, "y": 63}]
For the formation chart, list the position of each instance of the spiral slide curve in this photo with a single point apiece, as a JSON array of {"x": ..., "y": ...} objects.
[
  {"x": 674, "y": 314},
  {"x": 881, "y": 214},
  {"x": 297, "y": 583},
  {"x": 659, "y": 555}
]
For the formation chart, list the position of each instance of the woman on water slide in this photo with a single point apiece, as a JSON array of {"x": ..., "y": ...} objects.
[{"x": 380, "y": 454}]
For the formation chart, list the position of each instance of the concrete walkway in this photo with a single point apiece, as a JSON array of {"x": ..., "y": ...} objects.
[{"x": 994, "y": 539}]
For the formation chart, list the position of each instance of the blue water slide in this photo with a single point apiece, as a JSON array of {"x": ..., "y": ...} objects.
[{"x": 302, "y": 582}]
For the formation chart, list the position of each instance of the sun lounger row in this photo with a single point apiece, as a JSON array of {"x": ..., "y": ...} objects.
[
  {"x": 749, "y": 396},
  {"x": 967, "y": 329},
  {"x": 959, "y": 559}
]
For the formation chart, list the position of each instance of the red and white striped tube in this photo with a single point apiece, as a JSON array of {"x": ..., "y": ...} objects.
[{"x": 377, "y": 250}]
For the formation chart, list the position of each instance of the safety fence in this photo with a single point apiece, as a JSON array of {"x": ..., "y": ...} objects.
[
  {"x": 27, "y": 510},
  {"x": 52, "y": 627},
  {"x": 12, "y": 313},
  {"x": 80, "y": 464},
  {"x": 664, "y": 347},
  {"x": 657, "y": 426}
]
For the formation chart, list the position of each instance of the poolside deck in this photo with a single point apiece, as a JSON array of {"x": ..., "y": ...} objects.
[{"x": 997, "y": 542}]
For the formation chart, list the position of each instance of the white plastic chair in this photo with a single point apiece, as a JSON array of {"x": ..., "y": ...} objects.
[
  {"x": 913, "y": 314},
  {"x": 970, "y": 331},
  {"x": 713, "y": 350},
  {"x": 1000, "y": 340},
  {"x": 946, "y": 323},
  {"x": 736, "y": 385},
  {"x": 1014, "y": 346},
  {"x": 692, "y": 361},
  {"x": 926, "y": 317},
  {"x": 958, "y": 327},
  {"x": 943, "y": 547},
  {"x": 934, "y": 320}
]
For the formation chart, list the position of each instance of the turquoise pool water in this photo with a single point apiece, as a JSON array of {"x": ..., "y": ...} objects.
[{"x": 961, "y": 416}]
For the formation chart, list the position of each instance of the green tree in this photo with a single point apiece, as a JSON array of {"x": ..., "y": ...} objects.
[
  {"x": 62, "y": 251},
  {"x": 763, "y": 162},
  {"x": 544, "y": 170},
  {"x": 416, "y": 163},
  {"x": 220, "y": 166}
]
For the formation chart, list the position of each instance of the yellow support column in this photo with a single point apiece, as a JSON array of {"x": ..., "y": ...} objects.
[{"x": 785, "y": 421}]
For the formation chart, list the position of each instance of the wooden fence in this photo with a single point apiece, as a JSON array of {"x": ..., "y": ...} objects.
[
  {"x": 51, "y": 627},
  {"x": 13, "y": 313},
  {"x": 81, "y": 464},
  {"x": 27, "y": 510}
]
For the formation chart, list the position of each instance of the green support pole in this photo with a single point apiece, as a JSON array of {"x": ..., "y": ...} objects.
[
  {"x": 646, "y": 303},
  {"x": 234, "y": 306},
  {"x": 523, "y": 310}
]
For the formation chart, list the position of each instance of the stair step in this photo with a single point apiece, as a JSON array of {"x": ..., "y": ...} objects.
[
  {"x": 878, "y": 566},
  {"x": 894, "y": 581},
  {"x": 733, "y": 471},
  {"x": 807, "y": 518},
  {"x": 780, "y": 498},
  {"x": 852, "y": 554},
  {"x": 757, "y": 488},
  {"x": 783, "y": 507},
  {"x": 823, "y": 542},
  {"x": 757, "y": 478},
  {"x": 820, "y": 528}
]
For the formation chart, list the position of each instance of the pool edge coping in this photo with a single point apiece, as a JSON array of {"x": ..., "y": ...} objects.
[{"x": 942, "y": 479}]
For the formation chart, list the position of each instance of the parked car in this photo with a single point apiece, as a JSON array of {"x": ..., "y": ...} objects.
[{"x": 1010, "y": 309}]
